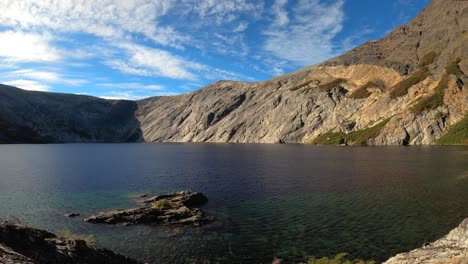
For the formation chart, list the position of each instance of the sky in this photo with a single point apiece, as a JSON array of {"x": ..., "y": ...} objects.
[{"x": 132, "y": 49}]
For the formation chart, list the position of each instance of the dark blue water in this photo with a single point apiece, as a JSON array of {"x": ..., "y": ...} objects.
[{"x": 291, "y": 201}]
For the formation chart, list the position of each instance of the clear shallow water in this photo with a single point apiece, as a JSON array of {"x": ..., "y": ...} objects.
[{"x": 291, "y": 201}]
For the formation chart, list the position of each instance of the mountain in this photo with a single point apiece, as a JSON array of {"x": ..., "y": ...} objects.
[{"x": 407, "y": 88}]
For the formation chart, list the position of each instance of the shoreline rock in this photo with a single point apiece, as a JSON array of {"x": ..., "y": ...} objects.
[
  {"x": 171, "y": 209},
  {"x": 452, "y": 248},
  {"x": 71, "y": 215},
  {"x": 20, "y": 244}
]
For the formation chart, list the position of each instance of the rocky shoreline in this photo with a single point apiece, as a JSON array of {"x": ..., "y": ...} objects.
[
  {"x": 450, "y": 249},
  {"x": 171, "y": 209},
  {"x": 20, "y": 244}
]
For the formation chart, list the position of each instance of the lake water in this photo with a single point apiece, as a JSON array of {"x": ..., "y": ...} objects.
[{"x": 291, "y": 201}]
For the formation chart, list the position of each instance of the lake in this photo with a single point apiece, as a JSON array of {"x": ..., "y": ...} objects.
[{"x": 291, "y": 201}]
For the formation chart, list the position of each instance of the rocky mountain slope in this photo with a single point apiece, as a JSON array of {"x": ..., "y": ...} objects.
[
  {"x": 38, "y": 117},
  {"x": 408, "y": 88}
]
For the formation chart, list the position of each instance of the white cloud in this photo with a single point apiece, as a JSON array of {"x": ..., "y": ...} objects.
[
  {"x": 136, "y": 86},
  {"x": 305, "y": 36},
  {"x": 279, "y": 11},
  {"x": 26, "y": 47},
  {"x": 146, "y": 61},
  {"x": 37, "y": 75},
  {"x": 221, "y": 12},
  {"x": 241, "y": 27},
  {"x": 28, "y": 85},
  {"x": 103, "y": 18},
  {"x": 44, "y": 76}
]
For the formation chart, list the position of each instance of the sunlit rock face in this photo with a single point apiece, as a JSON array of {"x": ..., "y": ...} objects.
[{"x": 408, "y": 88}]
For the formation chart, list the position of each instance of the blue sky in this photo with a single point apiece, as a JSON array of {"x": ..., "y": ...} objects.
[{"x": 131, "y": 49}]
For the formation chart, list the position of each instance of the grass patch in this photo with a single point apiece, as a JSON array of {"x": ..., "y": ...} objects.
[
  {"x": 164, "y": 204},
  {"x": 302, "y": 85},
  {"x": 427, "y": 59},
  {"x": 452, "y": 68},
  {"x": 433, "y": 101},
  {"x": 360, "y": 137},
  {"x": 457, "y": 134},
  {"x": 403, "y": 86},
  {"x": 338, "y": 259},
  {"x": 355, "y": 138},
  {"x": 437, "y": 98},
  {"x": 67, "y": 234},
  {"x": 330, "y": 138},
  {"x": 363, "y": 92},
  {"x": 327, "y": 87}
]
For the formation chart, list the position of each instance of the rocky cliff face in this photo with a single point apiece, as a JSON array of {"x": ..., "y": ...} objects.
[
  {"x": 408, "y": 88},
  {"x": 412, "y": 81}
]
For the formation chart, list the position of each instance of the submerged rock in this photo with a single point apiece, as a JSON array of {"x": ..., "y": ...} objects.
[
  {"x": 170, "y": 209},
  {"x": 452, "y": 248},
  {"x": 21, "y": 244},
  {"x": 71, "y": 215}
]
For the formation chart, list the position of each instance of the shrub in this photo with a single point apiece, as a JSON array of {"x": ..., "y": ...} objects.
[
  {"x": 437, "y": 99},
  {"x": 360, "y": 137},
  {"x": 327, "y": 87},
  {"x": 302, "y": 85},
  {"x": 457, "y": 134},
  {"x": 362, "y": 91},
  {"x": 330, "y": 138},
  {"x": 427, "y": 59},
  {"x": 338, "y": 259},
  {"x": 355, "y": 138},
  {"x": 402, "y": 87},
  {"x": 452, "y": 68},
  {"x": 67, "y": 234},
  {"x": 433, "y": 101},
  {"x": 164, "y": 204}
]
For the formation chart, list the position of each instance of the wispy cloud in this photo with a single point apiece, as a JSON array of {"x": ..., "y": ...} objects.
[
  {"x": 305, "y": 36},
  {"x": 108, "y": 19},
  {"x": 28, "y": 85},
  {"x": 136, "y": 86},
  {"x": 173, "y": 41},
  {"x": 43, "y": 76},
  {"x": 154, "y": 62}
]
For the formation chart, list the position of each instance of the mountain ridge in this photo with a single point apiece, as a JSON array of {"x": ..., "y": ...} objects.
[{"x": 407, "y": 88}]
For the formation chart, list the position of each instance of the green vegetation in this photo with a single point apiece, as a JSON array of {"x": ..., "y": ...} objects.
[
  {"x": 355, "y": 138},
  {"x": 330, "y": 138},
  {"x": 433, "y": 101},
  {"x": 457, "y": 134},
  {"x": 452, "y": 68},
  {"x": 338, "y": 259},
  {"x": 402, "y": 87},
  {"x": 363, "y": 92},
  {"x": 302, "y": 85},
  {"x": 437, "y": 98},
  {"x": 327, "y": 87},
  {"x": 164, "y": 204},
  {"x": 360, "y": 137},
  {"x": 67, "y": 234},
  {"x": 427, "y": 59}
]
